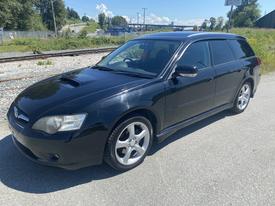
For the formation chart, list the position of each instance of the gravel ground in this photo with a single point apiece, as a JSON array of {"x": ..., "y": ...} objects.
[
  {"x": 223, "y": 160},
  {"x": 16, "y": 76}
]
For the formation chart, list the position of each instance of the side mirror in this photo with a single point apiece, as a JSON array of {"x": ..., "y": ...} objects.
[
  {"x": 186, "y": 71},
  {"x": 103, "y": 57}
]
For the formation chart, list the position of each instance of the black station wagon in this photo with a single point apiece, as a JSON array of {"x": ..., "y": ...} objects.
[{"x": 141, "y": 93}]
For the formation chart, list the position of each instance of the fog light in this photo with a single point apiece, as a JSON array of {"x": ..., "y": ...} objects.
[{"x": 54, "y": 157}]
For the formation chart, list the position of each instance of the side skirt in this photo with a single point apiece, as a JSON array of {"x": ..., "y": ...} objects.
[{"x": 164, "y": 134}]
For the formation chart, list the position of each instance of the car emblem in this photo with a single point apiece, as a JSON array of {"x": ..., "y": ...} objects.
[
  {"x": 16, "y": 112},
  {"x": 20, "y": 116}
]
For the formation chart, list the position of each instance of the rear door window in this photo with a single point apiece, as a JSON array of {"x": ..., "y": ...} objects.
[
  {"x": 241, "y": 48},
  {"x": 221, "y": 52}
]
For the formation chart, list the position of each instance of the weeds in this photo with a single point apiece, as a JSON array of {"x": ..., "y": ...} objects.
[{"x": 45, "y": 63}]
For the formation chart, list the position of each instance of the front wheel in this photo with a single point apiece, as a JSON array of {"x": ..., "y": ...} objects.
[
  {"x": 129, "y": 143},
  {"x": 243, "y": 98}
]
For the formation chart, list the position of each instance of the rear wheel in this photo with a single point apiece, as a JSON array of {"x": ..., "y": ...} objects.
[
  {"x": 243, "y": 98},
  {"x": 129, "y": 143}
]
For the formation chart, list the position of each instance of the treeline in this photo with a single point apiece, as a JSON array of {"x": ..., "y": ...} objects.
[
  {"x": 245, "y": 15},
  {"x": 34, "y": 14}
]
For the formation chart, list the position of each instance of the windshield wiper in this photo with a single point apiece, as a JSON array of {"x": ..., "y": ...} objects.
[
  {"x": 133, "y": 74},
  {"x": 102, "y": 68}
]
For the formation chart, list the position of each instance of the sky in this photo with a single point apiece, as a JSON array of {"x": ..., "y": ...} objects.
[{"x": 182, "y": 12}]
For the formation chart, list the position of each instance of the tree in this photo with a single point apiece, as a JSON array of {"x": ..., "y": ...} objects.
[
  {"x": 246, "y": 14},
  {"x": 102, "y": 20},
  {"x": 119, "y": 21},
  {"x": 212, "y": 23},
  {"x": 219, "y": 24},
  {"x": 8, "y": 10},
  {"x": 27, "y": 17},
  {"x": 20, "y": 15},
  {"x": 72, "y": 14},
  {"x": 47, "y": 15},
  {"x": 36, "y": 23},
  {"x": 109, "y": 22},
  {"x": 204, "y": 25},
  {"x": 85, "y": 19}
]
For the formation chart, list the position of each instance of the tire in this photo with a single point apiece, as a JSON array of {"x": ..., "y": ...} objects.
[
  {"x": 243, "y": 98},
  {"x": 129, "y": 144}
]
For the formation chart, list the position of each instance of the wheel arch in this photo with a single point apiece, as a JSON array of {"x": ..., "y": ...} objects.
[
  {"x": 148, "y": 114},
  {"x": 252, "y": 83}
]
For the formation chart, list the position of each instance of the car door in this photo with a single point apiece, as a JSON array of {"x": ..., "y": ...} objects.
[
  {"x": 191, "y": 96},
  {"x": 228, "y": 71}
]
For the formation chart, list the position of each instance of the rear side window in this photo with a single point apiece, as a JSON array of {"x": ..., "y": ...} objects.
[
  {"x": 197, "y": 54},
  {"x": 241, "y": 48},
  {"x": 221, "y": 52},
  {"x": 246, "y": 48}
]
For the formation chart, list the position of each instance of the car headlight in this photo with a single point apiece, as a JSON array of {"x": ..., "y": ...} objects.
[{"x": 54, "y": 124}]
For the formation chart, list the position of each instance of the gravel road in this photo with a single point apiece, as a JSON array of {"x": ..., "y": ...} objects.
[{"x": 223, "y": 160}]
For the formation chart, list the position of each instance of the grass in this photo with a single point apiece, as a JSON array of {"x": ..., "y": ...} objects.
[
  {"x": 62, "y": 43},
  {"x": 45, "y": 63},
  {"x": 263, "y": 43},
  {"x": 91, "y": 27},
  {"x": 73, "y": 21}
]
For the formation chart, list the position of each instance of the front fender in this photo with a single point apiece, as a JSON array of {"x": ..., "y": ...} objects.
[{"x": 151, "y": 99}]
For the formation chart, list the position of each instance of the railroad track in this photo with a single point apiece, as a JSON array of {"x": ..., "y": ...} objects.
[{"x": 57, "y": 54}]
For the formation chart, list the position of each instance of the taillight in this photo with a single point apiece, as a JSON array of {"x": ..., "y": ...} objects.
[{"x": 259, "y": 61}]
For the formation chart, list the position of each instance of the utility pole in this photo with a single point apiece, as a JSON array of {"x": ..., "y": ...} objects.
[
  {"x": 1, "y": 35},
  {"x": 138, "y": 18},
  {"x": 54, "y": 21},
  {"x": 230, "y": 18},
  {"x": 144, "y": 17}
]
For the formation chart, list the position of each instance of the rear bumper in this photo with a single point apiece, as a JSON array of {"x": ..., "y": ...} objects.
[{"x": 257, "y": 79}]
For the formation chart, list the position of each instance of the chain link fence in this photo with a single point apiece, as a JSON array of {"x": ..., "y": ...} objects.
[{"x": 10, "y": 35}]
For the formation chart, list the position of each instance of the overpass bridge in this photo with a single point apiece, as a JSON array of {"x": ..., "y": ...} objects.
[{"x": 147, "y": 27}]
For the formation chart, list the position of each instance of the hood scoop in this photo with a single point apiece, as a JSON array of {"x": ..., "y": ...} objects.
[{"x": 69, "y": 81}]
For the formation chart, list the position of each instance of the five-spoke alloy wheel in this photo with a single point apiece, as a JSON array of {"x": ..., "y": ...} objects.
[{"x": 129, "y": 143}]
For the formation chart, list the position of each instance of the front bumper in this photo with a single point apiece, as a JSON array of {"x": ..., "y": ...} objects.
[{"x": 68, "y": 150}]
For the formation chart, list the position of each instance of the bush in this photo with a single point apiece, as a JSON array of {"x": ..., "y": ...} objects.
[{"x": 83, "y": 34}]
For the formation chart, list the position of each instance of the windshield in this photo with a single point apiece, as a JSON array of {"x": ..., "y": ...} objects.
[{"x": 145, "y": 57}]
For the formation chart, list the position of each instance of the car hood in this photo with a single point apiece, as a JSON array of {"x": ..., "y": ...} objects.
[{"x": 62, "y": 89}]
